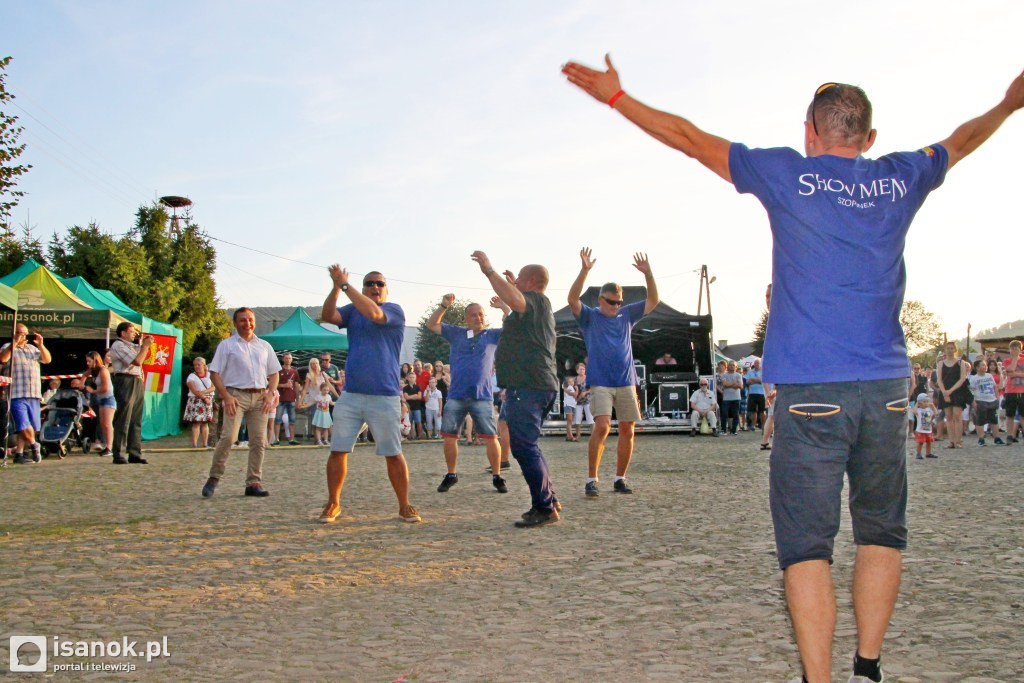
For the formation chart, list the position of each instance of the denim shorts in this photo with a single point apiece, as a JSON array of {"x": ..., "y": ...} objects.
[
  {"x": 106, "y": 402},
  {"x": 383, "y": 414},
  {"x": 823, "y": 431},
  {"x": 482, "y": 412},
  {"x": 282, "y": 408}
]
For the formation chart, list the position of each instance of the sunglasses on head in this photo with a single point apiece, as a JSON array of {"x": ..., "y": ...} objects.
[
  {"x": 372, "y": 283},
  {"x": 611, "y": 302},
  {"x": 814, "y": 103}
]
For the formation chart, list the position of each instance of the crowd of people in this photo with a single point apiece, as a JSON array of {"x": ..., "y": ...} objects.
[
  {"x": 839, "y": 223},
  {"x": 109, "y": 393}
]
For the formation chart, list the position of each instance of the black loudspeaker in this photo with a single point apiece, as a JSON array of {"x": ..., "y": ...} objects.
[{"x": 673, "y": 398}]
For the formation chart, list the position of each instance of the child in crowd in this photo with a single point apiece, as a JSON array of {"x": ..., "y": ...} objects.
[
  {"x": 569, "y": 405},
  {"x": 48, "y": 394},
  {"x": 432, "y": 405},
  {"x": 986, "y": 402},
  {"x": 405, "y": 421},
  {"x": 322, "y": 415},
  {"x": 925, "y": 412}
]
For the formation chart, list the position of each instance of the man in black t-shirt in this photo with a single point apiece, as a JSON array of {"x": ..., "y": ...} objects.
[{"x": 525, "y": 363}]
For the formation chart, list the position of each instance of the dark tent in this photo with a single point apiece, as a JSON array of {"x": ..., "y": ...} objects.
[{"x": 686, "y": 337}]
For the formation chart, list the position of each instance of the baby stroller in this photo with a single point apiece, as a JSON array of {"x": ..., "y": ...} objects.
[{"x": 63, "y": 422}]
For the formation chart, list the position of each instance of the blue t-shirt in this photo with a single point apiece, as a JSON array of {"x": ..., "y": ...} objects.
[
  {"x": 372, "y": 365},
  {"x": 472, "y": 359},
  {"x": 609, "y": 344},
  {"x": 757, "y": 387},
  {"x": 839, "y": 227}
]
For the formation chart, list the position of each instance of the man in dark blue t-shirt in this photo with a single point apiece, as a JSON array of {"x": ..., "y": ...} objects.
[
  {"x": 839, "y": 222},
  {"x": 607, "y": 332},
  {"x": 471, "y": 360},
  {"x": 372, "y": 392}
]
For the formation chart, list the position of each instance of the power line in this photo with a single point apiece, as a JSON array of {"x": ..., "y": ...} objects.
[
  {"x": 124, "y": 179},
  {"x": 46, "y": 148},
  {"x": 260, "y": 277}
]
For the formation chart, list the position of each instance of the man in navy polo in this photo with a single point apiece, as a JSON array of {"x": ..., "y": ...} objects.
[
  {"x": 471, "y": 360},
  {"x": 839, "y": 223},
  {"x": 607, "y": 332},
  {"x": 372, "y": 393}
]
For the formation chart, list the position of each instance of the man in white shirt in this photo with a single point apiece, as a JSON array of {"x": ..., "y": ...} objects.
[
  {"x": 245, "y": 372},
  {"x": 126, "y": 358},
  {"x": 702, "y": 405}
]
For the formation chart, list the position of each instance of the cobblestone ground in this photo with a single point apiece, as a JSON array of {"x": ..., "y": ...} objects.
[{"x": 676, "y": 582}]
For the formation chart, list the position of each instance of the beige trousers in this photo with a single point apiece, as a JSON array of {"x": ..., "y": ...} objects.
[{"x": 250, "y": 407}]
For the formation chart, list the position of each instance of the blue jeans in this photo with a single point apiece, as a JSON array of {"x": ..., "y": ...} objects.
[{"x": 524, "y": 411}]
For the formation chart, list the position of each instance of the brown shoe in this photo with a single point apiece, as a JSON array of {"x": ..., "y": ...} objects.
[
  {"x": 409, "y": 514},
  {"x": 330, "y": 513}
]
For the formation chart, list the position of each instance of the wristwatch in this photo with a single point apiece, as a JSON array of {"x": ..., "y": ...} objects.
[{"x": 344, "y": 287}]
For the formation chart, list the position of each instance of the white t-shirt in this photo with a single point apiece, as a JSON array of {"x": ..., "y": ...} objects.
[
  {"x": 432, "y": 399},
  {"x": 924, "y": 420},
  {"x": 569, "y": 400},
  {"x": 983, "y": 387}
]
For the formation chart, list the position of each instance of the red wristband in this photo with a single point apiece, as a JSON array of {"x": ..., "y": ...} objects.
[{"x": 614, "y": 98}]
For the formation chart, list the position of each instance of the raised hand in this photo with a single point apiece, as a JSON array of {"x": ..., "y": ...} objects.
[
  {"x": 600, "y": 85},
  {"x": 1015, "y": 93},
  {"x": 338, "y": 275},
  {"x": 482, "y": 260},
  {"x": 585, "y": 258},
  {"x": 447, "y": 300},
  {"x": 510, "y": 277},
  {"x": 641, "y": 263}
]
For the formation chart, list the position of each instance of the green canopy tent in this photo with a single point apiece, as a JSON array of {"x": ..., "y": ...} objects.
[
  {"x": 8, "y": 298},
  {"x": 301, "y": 333},
  {"x": 72, "y": 309}
]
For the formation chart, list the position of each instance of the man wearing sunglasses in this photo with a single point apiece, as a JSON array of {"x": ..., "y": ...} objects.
[
  {"x": 839, "y": 221},
  {"x": 607, "y": 332},
  {"x": 525, "y": 363},
  {"x": 372, "y": 393}
]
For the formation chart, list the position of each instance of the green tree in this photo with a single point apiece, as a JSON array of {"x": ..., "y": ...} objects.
[
  {"x": 10, "y": 150},
  {"x": 432, "y": 347},
  {"x": 164, "y": 276},
  {"x": 760, "y": 329},
  {"x": 16, "y": 250},
  {"x": 920, "y": 327}
]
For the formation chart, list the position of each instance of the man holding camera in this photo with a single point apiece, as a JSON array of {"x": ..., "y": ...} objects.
[
  {"x": 126, "y": 357},
  {"x": 26, "y": 389}
]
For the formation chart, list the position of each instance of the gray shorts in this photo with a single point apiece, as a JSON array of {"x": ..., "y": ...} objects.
[
  {"x": 823, "y": 431},
  {"x": 383, "y": 414}
]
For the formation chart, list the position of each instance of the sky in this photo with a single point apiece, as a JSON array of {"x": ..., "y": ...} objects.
[{"x": 402, "y": 136}]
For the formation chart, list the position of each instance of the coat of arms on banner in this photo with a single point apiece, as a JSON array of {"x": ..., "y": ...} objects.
[{"x": 158, "y": 364}]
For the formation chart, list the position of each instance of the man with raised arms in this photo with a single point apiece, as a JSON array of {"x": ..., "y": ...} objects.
[
  {"x": 607, "y": 332},
  {"x": 525, "y": 361},
  {"x": 471, "y": 359},
  {"x": 372, "y": 393},
  {"x": 839, "y": 221}
]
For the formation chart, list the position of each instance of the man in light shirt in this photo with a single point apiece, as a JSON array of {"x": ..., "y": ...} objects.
[
  {"x": 245, "y": 371},
  {"x": 126, "y": 358},
  {"x": 702, "y": 405}
]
